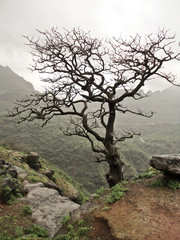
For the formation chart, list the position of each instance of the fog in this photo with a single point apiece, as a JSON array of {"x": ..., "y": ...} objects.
[{"x": 103, "y": 18}]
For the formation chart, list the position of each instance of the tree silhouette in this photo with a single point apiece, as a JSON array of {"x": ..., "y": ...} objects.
[{"x": 83, "y": 71}]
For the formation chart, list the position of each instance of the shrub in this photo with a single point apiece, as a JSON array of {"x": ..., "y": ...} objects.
[
  {"x": 116, "y": 193},
  {"x": 66, "y": 219},
  {"x": 165, "y": 182},
  {"x": 27, "y": 210},
  {"x": 37, "y": 230},
  {"x": 99, "y": 192},
  {"x": 149, "y": 173},
  {"x": 83, "y": 230},
  {"x": 173, "y": 184}
]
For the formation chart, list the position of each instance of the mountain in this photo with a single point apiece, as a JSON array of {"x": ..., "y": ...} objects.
[
  {"x": 165, "y": 106},
  {"x": 12, "y": 87}
]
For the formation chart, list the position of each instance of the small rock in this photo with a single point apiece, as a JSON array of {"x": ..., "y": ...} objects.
[
  {"x": 21, "y": 172},
  {"x": 53, "y": 186},
  {"x": 13, "y": 173},
  {"x": 33, "y": 161},
  {"x": 2, "y": 163},
  {"x": 10, "y": 187},
  {"x": 49, "y": 174}
]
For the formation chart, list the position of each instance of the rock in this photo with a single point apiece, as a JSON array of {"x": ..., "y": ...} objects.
[
  {"x": 169, "y": 164},
  {"x": 84, "y": 209},
  {"x": 13, "y": 173},
  {"x": 10, "y": 186},
  {"x": 49, "y": 173},
  {"x": 53, "y": 186},
  {"x": 48, "y": 207},
  {"x": 2, "y": 163},
  {"x": 33, "y": 161},
  {"x": 74, "y": 196},
  {"x": 21, "y": 172},
  {"x": 30, "y": 186}
]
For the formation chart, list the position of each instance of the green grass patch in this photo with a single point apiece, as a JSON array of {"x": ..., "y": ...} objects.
[
  {"x": 116, "y": 193},
  {"x": 173, "y": 184}
]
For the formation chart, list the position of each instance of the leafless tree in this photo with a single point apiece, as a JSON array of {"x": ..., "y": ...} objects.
[{"x": 82, "y": 71}]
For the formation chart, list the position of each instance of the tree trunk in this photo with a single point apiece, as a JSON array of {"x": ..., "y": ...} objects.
[{"x": 115, "y": 174}]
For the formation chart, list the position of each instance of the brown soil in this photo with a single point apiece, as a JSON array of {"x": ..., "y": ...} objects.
[
  {"x": 12, "y": 218},
  {"x": 144, "y": 213}
]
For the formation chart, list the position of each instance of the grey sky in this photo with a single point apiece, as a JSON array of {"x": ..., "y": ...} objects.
[{"x": 102, "y": 17}]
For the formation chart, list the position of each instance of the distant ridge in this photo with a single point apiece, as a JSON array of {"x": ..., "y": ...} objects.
[
  {"x": 12, "y": 87},
  {"x": 165, "y": 104}
]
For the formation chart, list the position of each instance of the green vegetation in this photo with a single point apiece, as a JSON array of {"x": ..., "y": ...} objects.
[
  {"x": 74, "y": 230},
  {"x": 116, "y": 193},
  {"x": 173, "y": 184},
  {"x": 27, "y": 210},
  {"x": 99, "y": 192},
  {"x": 149, "y": 173},
  {"x": 105, "y": 208},
  {"x": 36, "y": 230},
  {"x": 15, "y": 222},
  {"x": 66, "y": 219}
]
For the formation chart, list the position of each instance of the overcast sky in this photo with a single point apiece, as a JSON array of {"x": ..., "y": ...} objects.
[{"x": 101, "y": 17}]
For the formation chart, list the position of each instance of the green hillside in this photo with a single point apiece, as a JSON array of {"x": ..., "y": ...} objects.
[{"x": 160, "y": 134}]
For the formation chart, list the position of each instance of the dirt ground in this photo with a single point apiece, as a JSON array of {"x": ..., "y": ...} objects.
[{"x": 143, "y": 213}]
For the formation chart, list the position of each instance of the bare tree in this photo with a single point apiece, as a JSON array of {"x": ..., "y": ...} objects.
[{"x": 82, "y": 71}]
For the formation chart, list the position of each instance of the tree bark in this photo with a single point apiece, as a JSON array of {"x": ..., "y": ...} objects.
[{"x": 115, "y": 173}]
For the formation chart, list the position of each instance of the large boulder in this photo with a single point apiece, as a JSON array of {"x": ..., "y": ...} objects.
[
  {"x": 48, "y": 207},
  {"x": 169, "y": 164}
]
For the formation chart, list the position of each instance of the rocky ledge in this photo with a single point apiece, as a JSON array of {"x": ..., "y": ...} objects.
[
  {"x": 44, "y": 198},
  {"x": 169, "y": 164}
]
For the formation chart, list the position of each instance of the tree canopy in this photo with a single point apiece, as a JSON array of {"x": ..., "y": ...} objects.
[{"x": 82, "y": 71}]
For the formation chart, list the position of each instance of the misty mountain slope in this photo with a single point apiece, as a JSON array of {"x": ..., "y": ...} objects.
[
  {"x": 165, "y": 105},
  {"x": 12, "y": 87}
]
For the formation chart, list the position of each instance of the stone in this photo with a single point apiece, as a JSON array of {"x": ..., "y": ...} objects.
[
  {"x": 74, "y": 196},
  {"x": 84, "y": 209},
  {"x": 33, "y": 161},
  {"x": 48, "y": 207},
  {"x": 2, "y": 163},
  {"x": 53, "y": 186},
  {"x": 21, "y": 172},
  {"x": 49, "y": 173},
  {"x": 13, "y": 173},
  {"x": 10, "y": 187},
  {"x": 169, "y": 164}
]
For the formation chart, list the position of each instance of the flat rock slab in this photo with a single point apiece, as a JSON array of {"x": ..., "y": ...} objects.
[
  {"x": 169, "y": 164},
  {"x": 48, "y": 207}
]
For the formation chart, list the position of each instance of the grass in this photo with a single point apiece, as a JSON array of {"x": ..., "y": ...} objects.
[
  {"x": 173, "y": 184},
  {"x": 149, "y": 173},
  {"x": 116, "y": 193},
  {"x": 99, "y": 192},
  {"x": 13, "y": 215}
]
